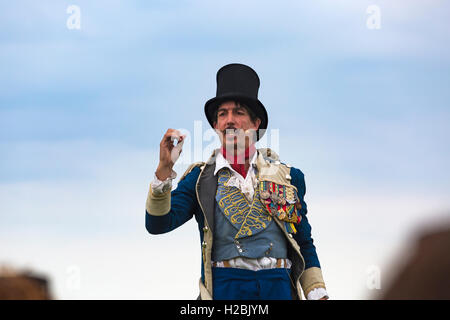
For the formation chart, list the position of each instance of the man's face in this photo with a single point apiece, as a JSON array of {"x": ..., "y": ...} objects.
[{"x": 234, "y": 125}]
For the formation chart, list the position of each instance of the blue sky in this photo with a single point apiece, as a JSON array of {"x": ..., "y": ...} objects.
[{"x": 363, "y": 113}]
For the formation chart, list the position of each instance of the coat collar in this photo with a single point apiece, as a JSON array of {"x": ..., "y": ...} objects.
[{"x": 221, "y": 162}]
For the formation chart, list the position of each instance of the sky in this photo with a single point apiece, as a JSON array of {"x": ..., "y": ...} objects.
[{"x": 362, "y": 111}]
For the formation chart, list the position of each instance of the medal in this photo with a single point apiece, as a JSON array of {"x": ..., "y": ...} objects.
[
  {"x": 265, "y": 195},
  {"x": 280, "y": 201},
  {"x": 281, "y": 214}
]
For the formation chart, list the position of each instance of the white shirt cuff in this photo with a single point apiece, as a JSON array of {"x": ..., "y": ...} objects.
[
  {"x": 159, "y": 187},
  {"x": 317, "y": 294}
]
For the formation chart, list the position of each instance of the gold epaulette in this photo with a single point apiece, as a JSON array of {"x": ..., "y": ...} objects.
[
  {"x": 191, "y": 167},
  {"x": 269, "y": 154}
]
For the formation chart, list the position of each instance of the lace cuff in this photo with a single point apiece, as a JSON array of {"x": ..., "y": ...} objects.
[
  {"x": 317, "y": 294},
  {"x": 160, "y": 187}
]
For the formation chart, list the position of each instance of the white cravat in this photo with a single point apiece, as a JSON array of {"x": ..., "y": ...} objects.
[{"x": 248, "y": 184}]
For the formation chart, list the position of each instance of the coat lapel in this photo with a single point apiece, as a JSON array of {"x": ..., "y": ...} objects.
[{"x": 206, "y": 190}]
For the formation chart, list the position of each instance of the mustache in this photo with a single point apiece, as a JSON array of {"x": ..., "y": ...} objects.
[
  {"x": 237, "y": 130},
  {"x": 230, "y": 129}
]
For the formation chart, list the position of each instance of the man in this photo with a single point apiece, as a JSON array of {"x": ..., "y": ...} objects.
[{"x": 255, "y": 237}]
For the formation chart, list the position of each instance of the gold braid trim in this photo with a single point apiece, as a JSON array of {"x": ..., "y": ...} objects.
[{"x": 248, "y": 218}]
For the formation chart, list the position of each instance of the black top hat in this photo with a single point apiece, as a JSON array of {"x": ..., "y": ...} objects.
[{"x": 240, "y": 83}]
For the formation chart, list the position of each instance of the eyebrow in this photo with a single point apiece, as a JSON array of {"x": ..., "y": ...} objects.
[{"x": 234, "y": 108}]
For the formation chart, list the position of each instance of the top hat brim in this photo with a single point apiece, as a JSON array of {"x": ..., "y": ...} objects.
[{"x": 254, "y": 104}]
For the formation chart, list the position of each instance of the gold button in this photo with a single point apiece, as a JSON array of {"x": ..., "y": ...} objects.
[
  {"x": 288, "y": 177},
  {"x": 204, "y": 244},
  {"x": 205, "y": 229}
]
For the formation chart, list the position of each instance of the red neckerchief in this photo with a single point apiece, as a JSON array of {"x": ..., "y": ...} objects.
[{"x": 237, "y": 161}]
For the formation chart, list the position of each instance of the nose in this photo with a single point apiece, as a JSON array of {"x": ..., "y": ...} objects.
[{"x": 230, "y": 119}]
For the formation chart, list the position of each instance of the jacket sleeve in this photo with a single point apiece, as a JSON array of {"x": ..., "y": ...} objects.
[
  {"x": 312, "y": 276},
  {"x": 172, "y": 209}
]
